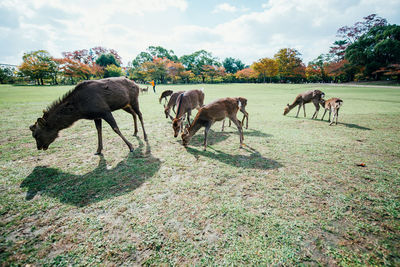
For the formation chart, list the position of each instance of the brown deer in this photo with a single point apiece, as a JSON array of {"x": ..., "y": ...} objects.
[
  {"x": 333, "y": 105},
  {"x": 143, "y": 90},
  {"x": 313, "y": 96},
  {"x": 242, "y": 108},
  {"x": 164, "y": 95},
  {"x": 172, "y": 104},
  {"x": 93, "y": 100},
  {"x": 185, "y": 103},
  {"x": 215, "y": 111}
]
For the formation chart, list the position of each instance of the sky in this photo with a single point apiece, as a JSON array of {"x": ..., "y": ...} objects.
[{"x": 243, "y": 29}]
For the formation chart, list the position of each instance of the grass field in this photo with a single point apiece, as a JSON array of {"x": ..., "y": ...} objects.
[{"x": 294, "y": 195}]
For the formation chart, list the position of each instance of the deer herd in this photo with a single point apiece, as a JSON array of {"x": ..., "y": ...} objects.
[{"x": 96, "y": 99}]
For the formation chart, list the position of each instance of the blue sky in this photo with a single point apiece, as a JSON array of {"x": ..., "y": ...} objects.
[{"x": 247, "y": 30}]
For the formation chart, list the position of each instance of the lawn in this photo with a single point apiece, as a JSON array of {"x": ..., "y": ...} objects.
[{"x": 294, "y": 195}]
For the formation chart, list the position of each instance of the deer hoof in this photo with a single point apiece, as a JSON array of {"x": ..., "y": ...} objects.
[{"x": 98, "y": 154}]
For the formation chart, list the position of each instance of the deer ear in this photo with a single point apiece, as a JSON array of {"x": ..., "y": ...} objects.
[{"x": 41, "y": 122}]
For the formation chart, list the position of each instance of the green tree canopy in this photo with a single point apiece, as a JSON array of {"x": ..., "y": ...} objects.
[{"x": 107, "y": 59}]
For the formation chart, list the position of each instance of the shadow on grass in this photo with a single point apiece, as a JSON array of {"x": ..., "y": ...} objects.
[
  {"x": 254, "y": 160},
  {"x": 349, "y": 125},
  {"x": 101, "y": 183}
]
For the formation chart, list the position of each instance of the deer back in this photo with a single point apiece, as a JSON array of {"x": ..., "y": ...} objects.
[{"x": 189, "y": 100}]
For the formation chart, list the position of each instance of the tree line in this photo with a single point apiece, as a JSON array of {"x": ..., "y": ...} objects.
[{"x": 367, "y": 50}]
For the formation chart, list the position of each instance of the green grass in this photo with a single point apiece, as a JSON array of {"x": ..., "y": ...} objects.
[{"x": 293, "y": 196}]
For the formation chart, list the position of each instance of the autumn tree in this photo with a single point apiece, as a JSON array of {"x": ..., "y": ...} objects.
[
  {"x": 266, "y": 67},
  {"x": 290, "y": 65},
  {"x": 245, "y": 75},
  {"x": 38, "y": 65}
]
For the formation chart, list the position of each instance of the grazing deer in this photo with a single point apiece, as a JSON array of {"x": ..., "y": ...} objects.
[
  {"x": 185, "y": 103},
  {"x": 172, "y": 104},
  {"x": 93, "y": 100},
  {"x": 313, "y": 96},
  {"x": 215, "y": 111},
  {"x": 332, "y": 104},
  {"x": 242, "y": 106},
  {"x": 164, "y": 95},
  {"x": 143, "y": 90}
]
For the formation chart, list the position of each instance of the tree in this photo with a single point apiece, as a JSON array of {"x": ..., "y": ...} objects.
[
  {"x": 140, "y": 59},
  {"x": 38, "y": 65},
  {"x": 112, "y": 71},
  {"x": 195, "y": 62},
  {"x": 247, "y": 74},
  {"x": 107, "y": 59},
  {"x": 6, "y": 74},
  {"x": 266, "y": 67},
  {"x": 161, "y": 52},
  {"x": 232, "y": 65},
  {"x": 378, "y": 48},
  {"x": 290, "y": 65},
  {"x": 351, "y": 34},
  {"x": 174, "y": 70}
]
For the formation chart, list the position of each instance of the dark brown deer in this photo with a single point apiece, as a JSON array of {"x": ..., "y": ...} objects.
[
  {"x": 185, "y": 103},
  {"x": 164, "y": 95},
  {"x": 333, "y": 105},
  {"x": 93, "y": 100},
  {"x": 242, "y": 108},
  {"x": 172, "y": 104},
  {"x": 313, "y": 96},
  {"x": 215, "y": 111}
]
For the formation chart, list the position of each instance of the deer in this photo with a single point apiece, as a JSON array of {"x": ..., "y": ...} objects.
[
  {"x": 242, "y": 105},
  {"x": 333, "y": 105},
  {"x": 185, "y": 103},
  {"x": 92, "y": 100},
  {"x": 313, "y": 96},
  {"x": 164, "y": 96},
  {"x": 143, "y": 90},
  {"x": 171, "y": 104},
  {"x": 209, "y": 114}
]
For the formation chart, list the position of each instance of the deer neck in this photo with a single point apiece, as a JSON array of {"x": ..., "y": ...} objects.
[
  {"x": 59, "y": 119},
  {"x": 194, "y": 128}
]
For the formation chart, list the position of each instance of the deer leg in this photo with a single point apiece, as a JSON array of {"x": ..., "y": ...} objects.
[
  {"x": 207, "y": 128},
  {"x": 337, "y": 115},
  {"x": 131, "y": 111},
  {"x": 239, "y": 126},
  {"x": 304, "y": 109},
  {"x": 323, "y": 115},
  {"x": 298, "y": 110},
  {"x": 108, "y": 117},
  {"x": 135, "y": 108},
  {"x": 316, "y": 110},
  {"x": 223, "y": 124},
  {"x": 333, "y": 118},
  {"x": 99, "y": 136},
  {"x": 330, "y": 112},
  {"x": 245, "y": 116}
]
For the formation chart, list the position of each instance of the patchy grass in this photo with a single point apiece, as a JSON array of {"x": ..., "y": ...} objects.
[{"x": 293, "y": 195}]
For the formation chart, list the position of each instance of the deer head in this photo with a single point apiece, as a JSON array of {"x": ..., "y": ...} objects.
[
  {"x": 177, "y": 124},
  {"x": 286, "y": 110},
  {"x": 186, "y": 137},
  {"x": 43, "y": 135}
]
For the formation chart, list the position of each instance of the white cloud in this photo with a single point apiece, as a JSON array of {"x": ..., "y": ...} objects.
[
  {"x": 225, "y": 7},
  {"x": 130, "y": 27}
]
